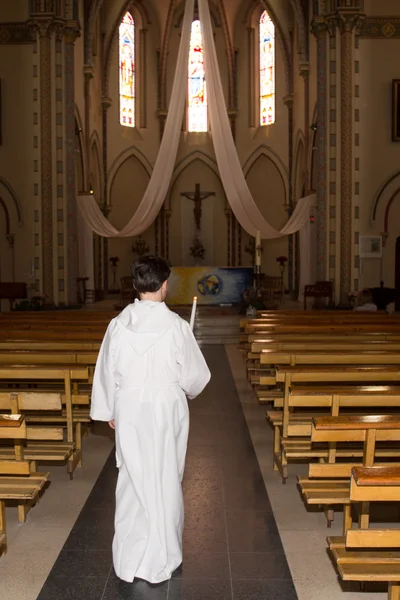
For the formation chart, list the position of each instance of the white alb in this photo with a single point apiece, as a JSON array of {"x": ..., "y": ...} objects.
[{"x": 149, "y": 363}]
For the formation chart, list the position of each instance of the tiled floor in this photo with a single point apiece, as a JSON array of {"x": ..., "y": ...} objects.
[{"x": 232, "y": 548}]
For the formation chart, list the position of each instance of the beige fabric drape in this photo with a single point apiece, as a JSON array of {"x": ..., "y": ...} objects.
[
  {"x": 234, "y": 182},
  {"x": 161, "y": 176}
]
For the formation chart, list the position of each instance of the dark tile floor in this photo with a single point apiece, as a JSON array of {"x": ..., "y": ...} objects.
[{"x": 232, "y": 548}]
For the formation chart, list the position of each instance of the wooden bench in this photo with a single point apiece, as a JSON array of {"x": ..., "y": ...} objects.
[
  {"x": 46, "y": 357},
  {"x": 36, "y": 406},
  {"x": 63, "y": 377},
  {"x": 371, "y": 554},
  {"x": 292, "y": 430},
  {"x": 47, "y": 346},
  {"x": 17, "y": 482},
  {"x": 328, "y": 483}
]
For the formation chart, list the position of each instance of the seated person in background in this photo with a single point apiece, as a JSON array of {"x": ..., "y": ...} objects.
[{"x": 364, "y": 302}]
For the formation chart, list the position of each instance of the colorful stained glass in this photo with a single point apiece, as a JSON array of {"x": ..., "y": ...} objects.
[
  {"x": 267, "y": 70},
  {"x": 197, "y": 91},
  {"x": 127, "y": 71}
]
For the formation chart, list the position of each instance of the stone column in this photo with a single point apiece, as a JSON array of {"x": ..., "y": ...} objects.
[
  {"x": 288, "y": 101},
  {"x": 347, "y": 21},
  {"x": 44, "y": 27},
  {"x": 106, "y": 208},
  {"x": 71, "y": 267},
  {"x": 56, "y": 260},
  {"x": 320, "y": 28}
]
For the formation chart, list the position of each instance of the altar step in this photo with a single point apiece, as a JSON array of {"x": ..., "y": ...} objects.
[{"x": 217, "y": 329}]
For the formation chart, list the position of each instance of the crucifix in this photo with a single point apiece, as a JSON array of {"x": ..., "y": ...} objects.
[{"x": 197, "y": 196}]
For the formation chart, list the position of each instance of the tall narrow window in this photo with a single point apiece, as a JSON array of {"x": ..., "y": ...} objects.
[
  {"x": 197, "y": 91},
  {"x": 127, "y": 71},
  {"x": 267, "y": 70}
]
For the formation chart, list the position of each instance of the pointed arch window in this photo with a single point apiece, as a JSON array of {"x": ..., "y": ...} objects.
[
  {"x": 127, "y": 71},
  {"x": 197, "y": 90},
  {"x": 267, "y": 69}
]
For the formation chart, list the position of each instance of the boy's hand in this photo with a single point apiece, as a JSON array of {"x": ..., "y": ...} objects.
[{"x": 112, "y": 424}]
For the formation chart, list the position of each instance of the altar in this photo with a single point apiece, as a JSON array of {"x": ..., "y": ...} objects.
[{"x": 212, "y": 285}]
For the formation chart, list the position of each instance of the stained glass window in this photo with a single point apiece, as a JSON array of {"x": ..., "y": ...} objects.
[
  {"x": 127, "y": 71},
  {"x": 267, "y": 70},
  {"x": 197, "y": 91}
]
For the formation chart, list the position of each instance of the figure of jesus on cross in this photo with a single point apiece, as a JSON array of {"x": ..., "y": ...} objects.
[{"x": 197, "y": 196}]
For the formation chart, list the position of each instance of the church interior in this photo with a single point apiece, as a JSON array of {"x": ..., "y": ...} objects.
[{"x": 255, "y": 146}]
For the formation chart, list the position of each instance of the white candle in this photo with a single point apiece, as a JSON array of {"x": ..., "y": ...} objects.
[
  {"x": 193, "y": 315},
  {"x": 258, "y": 249}
]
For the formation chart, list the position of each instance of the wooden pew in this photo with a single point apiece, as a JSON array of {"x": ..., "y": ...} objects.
[
  {"x": 44, "y": 441},
  {"x": 292, "y": 430},
  {"x": 371, "y": 554},
  {"x": 64, "y": 377},
  {"x": 45, "y": 357},
  {"x": 322, "y": 345},
  {"x": 336, "y": 374},
  {"x": 17, "y": 482},
  {"x": 47, "y": 346},
  {"x": 328, "y": 483},
  {"x": 330, "y": 357}
]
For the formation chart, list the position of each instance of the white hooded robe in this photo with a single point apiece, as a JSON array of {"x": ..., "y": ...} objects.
[{"x": 149, "y": 362}]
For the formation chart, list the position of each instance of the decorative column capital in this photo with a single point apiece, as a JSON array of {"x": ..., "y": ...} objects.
[
  {"x": 88, "y": 71},
  {"x": 304, "y": 69},
  {"x": 43, "y": 26},
  {"x": 288, "y": 100},
  {"x": 11, "y": 239},
  {"x": 72, "y": 31},
  {"x": 347, "y": 21},
  {"x": 162, "y": 114},
  {"x": 106, "y": 102},
  {"x": 319, "y": 26}
]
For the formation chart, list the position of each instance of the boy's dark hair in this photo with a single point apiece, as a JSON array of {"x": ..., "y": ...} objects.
[{"x": 149, "y": 273}]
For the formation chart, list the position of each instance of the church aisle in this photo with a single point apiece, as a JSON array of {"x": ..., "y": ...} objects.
[{"x": 232, "y": 548}]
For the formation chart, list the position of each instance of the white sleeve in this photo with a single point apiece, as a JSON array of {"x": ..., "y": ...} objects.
[
  {"x": 194, "y": 372},
  {"x": 103, "y": 390}
]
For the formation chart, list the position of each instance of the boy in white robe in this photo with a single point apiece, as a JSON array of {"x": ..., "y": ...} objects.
[{"x": 149, "y": 363}]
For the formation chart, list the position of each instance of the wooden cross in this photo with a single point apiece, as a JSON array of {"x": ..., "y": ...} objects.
[{"x": 197, "y": 197}]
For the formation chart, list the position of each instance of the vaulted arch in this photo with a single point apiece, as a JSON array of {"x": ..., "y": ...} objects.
[
  {"x": 120, "y": 160},
  {"x": 264, "y": 150}
]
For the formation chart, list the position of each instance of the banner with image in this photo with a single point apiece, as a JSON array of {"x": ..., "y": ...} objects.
[{"x": 211, "y": 285}]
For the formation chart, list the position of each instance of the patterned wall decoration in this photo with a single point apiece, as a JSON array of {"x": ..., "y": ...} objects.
[
  {"x": 16, "y": 33},
  {"x": 381, "y": 27}
]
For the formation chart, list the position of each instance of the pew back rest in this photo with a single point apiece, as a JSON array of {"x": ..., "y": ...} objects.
[
  {"x": 355, "y": 428},
  {"x": 375, "y": 484},
  {"x": 30, "y": 401}
]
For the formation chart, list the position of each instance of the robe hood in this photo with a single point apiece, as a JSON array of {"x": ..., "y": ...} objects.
[{"x": 144, "y": 323}]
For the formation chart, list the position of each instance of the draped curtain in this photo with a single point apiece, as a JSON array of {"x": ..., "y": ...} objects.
[
  {"x": 234, "y": 182},
  {"x": 160, "y": 180}
]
